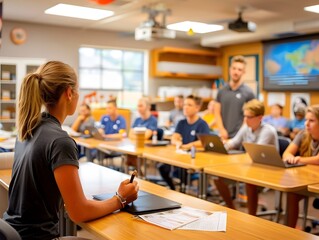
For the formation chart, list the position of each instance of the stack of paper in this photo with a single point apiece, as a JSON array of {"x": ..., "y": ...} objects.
[{"x": 188, "y": 218}]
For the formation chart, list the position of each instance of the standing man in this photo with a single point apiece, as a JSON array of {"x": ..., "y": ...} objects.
[
  {"x": 113, "y": 125},
  {"x": 176, "y": 114},
  {"x": 185, "y": 135},
  {"x": 230, "y": 100}
]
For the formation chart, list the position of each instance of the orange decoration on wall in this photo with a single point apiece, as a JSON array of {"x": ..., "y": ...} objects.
[{"x": 103, "y": 2}]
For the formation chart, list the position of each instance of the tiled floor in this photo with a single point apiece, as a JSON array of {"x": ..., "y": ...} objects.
[{"x": 266, "y": 200}]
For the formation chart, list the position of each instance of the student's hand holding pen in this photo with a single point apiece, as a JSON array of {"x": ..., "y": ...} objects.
[{"x": 128, "y": 190}]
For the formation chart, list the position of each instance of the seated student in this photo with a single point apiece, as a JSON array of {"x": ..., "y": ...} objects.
[
  {"x": 303, "y": 149},
  {"x": 277, "y": 120},
  {"x": 113, "y": 125},
  {"x": 45, "y": 169},
  {"x": 253, "y": 131},
  {"x": 146, "y": 119},
  {"x": 185, "y": 135},
  {"x": 176, "y": 114},
  {"x": 84, "y": 119},
  {"x": 297, "y": 124},
  {"x": 209, "y": 117}
]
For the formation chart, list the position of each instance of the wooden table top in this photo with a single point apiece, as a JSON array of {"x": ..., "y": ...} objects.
[
  {"x": 169, "y": 155},
  {"x": 123, "y": 226},
  {"x": 286, "y": 180},
  {"x": 126, "y": 146},
  {"x": 313, "y": 188},
  {"x": 90, "y": 143},
  {"x": 5, "y": 178}
]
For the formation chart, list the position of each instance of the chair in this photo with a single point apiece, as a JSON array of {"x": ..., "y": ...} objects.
[
  {"x": 160, "y": 134},
  {"x": 7, "y": 232},
  {"x": 283, "y": 143}
]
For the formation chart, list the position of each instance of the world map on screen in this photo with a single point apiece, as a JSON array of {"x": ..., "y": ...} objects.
[{"x": 293, "y": 58}]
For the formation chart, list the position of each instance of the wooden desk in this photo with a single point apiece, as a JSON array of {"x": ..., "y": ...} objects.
[
  {"x": 126, "y": 146},
  {"x": 313, "y": 188},
  {"x": 168, "y": 155},
  {"x": 281, "y": 179},
  {"x": 5, "y": 177},
  {"x": 96, "y": 179},
  {"x": 121, "y": 225},
  {"x": 8, "y": 144},
  {"x": 88, "y": 144}
]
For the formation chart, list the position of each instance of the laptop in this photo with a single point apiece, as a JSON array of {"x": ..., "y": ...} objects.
[
  {"x": 93, "y": 132},
  {"x": 145, "y": 203},
  {"x": 268, "y": 155},
  {"x": 213, "y": 143}
]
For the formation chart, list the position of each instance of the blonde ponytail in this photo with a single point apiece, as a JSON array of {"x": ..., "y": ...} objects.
[
  {"x": 44, "y": 87},
  {"x": 29, "y": 106}
]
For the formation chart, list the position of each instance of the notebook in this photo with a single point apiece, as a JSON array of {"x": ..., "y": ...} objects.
[
  {"x": 157, "y": 143},
  {"x": 213, "y": 143},
  {"x": 145, "y": 203},
  {"x": 267, "y": 154}
]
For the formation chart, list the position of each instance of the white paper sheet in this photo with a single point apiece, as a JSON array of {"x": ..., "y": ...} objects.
[
  {"x": 215, "y": 222},
  {"x": 188, "y": 218}
]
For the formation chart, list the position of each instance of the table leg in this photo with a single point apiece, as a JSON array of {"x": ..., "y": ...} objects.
[{"x": 202, "y": 185}]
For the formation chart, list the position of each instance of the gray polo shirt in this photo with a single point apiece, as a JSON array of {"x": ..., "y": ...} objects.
[{"x": 232, "y": 102}]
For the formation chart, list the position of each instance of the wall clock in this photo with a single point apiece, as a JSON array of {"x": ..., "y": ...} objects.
[{"x": 18, "y": 35}]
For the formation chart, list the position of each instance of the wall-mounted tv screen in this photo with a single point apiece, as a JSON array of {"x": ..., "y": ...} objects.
[{"x": 291, "y": 65}]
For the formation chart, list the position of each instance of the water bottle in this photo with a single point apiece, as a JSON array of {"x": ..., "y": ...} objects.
[
  {"x": 154, "y": 137},
  {"x": 193, "y": 152}
]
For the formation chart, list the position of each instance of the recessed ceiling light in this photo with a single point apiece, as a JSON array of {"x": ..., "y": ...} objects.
[
  {"x": 197, "y": 27},
  {"x": 314, "y": 8},
  {"x": 67, "y": 10}
]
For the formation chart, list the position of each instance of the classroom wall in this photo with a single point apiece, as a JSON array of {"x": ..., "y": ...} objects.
[
  {"x": 257, "y": 48},
  {"x": 62, "y": 43}
]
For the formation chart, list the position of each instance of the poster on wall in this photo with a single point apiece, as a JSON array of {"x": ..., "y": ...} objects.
[
  {"x": 276, "y": 98},
  {"x": 0, "y": 23},
  {"x": 298, "y": 100}
]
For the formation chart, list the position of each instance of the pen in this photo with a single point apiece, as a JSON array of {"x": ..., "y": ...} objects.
[{"x": 133, "y": 176}]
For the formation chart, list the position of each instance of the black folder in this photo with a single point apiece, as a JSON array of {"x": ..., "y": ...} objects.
[{"x": 145, "y": 203}]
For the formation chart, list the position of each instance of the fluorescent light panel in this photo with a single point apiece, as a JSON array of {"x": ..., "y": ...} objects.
[
  {"x": 314, "y": 8},
  {"x": 197, "y": 27},
  {"x": 67, "y": 10}
]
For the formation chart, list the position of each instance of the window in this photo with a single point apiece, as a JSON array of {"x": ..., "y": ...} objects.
[{"x": 115, "y": 71}]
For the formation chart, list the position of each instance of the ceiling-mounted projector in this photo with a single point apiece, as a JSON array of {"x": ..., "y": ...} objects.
[
  {"x": 241, "y": 26},
  {"x": 149, "y": 33},
  {"x": 152, "y": 29}
]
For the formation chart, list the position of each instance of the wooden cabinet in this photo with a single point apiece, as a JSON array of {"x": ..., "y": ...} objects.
[
  {"x": 173, "y": 62},
  {"x": 12, "y": 71}
]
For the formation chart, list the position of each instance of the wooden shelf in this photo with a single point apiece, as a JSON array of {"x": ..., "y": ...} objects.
[
  {"x": 8, "y": 101},
  {"x": 8, "y": 81},
  {"x": 170, "y": 62}
]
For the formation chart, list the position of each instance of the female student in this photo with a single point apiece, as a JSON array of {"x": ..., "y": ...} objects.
[
  {"x": 306, "y": 145},
  {"x": 45, "y": 169},
  {"x": 84, "y": 119}
]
